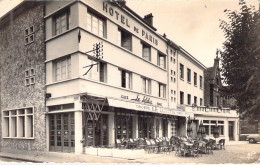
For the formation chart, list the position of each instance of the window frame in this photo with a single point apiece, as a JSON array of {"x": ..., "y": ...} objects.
[
  {"x": 100, "y": 19},
  {"x": 159, "y": 60},
  {"x": 201, "y": 82},
  {"x": 188, "y": 75},
  {"x": 147, "y": 87},
  {"x": 29, "y": 35},
  {"x": 195, "y": 78},
  {"x": 104, "y": 72},
  {"x": 181, "y": 97},
  {"x": 181, "y": 71},
  {"x": 125, "y": 79},
  {"x": 126, "y": 34},
  {"x": 162, "y": 94},
  {"x": 68, "y": 68},
  {"x": 58, "y": 16},
  {"x": 189, "y": 99},
  {"x": 146, "y": 46},
  {"x": 28, "y": 112}
]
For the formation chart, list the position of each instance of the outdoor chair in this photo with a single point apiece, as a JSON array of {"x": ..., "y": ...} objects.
[
  {"x": 141, "y": 144},
  {"x": 154, "y": 145},
  {"x": 131, "y": 144},
  {"x": 165, "y": 146},
  {"x": 148, "y": 146},
  {"x": 221, "y": 143},
  {"x": 201, "y": 148},
  {"x": 194, "y": 151},
  {"x": 209, "y": 147},
  {"x": 183, "y": 149},
  {"x": 119, "y": 144}
]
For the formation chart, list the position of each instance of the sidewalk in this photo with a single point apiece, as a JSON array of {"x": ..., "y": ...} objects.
[
  {"x": 63, "y": 158},
  {"x": 236, "y": 142}
]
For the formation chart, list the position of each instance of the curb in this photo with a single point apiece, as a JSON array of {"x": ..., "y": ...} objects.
[{"x": 22, "y": 159}]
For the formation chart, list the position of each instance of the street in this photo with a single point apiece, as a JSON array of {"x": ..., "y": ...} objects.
[{"x": 236, "y": 153}]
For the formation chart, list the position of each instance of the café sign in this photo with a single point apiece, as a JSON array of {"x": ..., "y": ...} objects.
[
  {"x": 123, "y": 19},
  {"x": 145, "y": 107}
]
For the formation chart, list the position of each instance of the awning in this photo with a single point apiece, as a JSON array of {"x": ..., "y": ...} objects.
[{"x": 145, "y": 107}]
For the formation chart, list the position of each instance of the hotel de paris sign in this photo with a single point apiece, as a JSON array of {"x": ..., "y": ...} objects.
[{"x": 124, "y": 20}]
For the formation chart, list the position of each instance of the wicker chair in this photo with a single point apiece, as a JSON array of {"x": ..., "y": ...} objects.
[
  {"x": 209, "y": 147},
  {"x": 221, "y": 143}
]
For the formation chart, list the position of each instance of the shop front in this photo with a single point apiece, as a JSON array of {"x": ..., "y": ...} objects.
[{"x": 92, "y": 123}]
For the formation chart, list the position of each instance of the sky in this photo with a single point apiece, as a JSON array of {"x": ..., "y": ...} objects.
[{"x": 191, "y": 24}]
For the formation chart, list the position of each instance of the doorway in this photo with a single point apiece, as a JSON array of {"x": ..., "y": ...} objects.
[
  {"x": 96, "y": 131},
  {"x": 231, "y": 130},
  {"x": 62, "y": 132}
]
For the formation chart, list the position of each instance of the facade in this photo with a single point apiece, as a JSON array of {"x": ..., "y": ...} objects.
[
  {"x": 143, "y": 86},
  {"x": 22, "y": 72}
]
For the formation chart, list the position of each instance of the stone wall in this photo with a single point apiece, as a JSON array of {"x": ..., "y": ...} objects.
[{"x": 16, "y": 58}]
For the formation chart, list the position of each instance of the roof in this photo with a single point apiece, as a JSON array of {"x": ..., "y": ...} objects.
[
  {"x": 123, "y": 5},
  {"x": 192, "y": 58}
]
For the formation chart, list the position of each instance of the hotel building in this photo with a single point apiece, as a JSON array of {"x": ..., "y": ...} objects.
[{"x": 143, "y": 85}]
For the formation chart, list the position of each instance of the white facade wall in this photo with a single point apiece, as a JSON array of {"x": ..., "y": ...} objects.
[{"x": 184, "y": 85}]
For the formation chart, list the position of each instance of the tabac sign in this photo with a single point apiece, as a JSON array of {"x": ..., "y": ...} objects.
[{"x": 124, "y": 20}]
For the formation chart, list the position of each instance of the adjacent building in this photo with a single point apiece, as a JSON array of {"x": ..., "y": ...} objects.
[{"x": 142, "y": 85}]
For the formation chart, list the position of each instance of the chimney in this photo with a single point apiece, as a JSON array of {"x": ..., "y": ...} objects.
[{"x": 149, "y": 19}]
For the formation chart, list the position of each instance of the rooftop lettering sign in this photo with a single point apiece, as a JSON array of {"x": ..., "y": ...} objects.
[{"x": 123, "y": 19}]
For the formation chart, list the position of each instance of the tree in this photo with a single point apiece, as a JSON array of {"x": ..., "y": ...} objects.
[{"x": 241, "y": 57}]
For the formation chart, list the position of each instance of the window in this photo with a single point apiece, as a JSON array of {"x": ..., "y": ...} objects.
[
  {"x": 174, "y": 60},
  {"x": 171, "y": 59},
  {"x": 171, "y": 98},
  {"x": 125, "y": 39},
  {"x": 95, "y": 25},
  {"x": 61, "y": 22},
  {"x": 171, "y": 72},
  {"x": 146, "y": 85},
  {"x": 175, "y": 99},
  {"x": 189, "y": 99},
  {"x": 174, "y": 92},
  {"x": 195, "y": 100},
  {"x": 181, "y": 98},
  {"x": 146, "y": 51},
  {"x": 195, "y": 78},
  {"x": 29, "y": 77},
  {"x": 201, "y": 82},
  {"x": 62, "y": 69},
  {"x": 171, "y": 91},
  {"x": 201, "y": 103},
  {"x": 102, "y": 72},
  {"x": 161, "y": 60},
  {"x": 181, "y": 71},
  {"x": 18, "y": 123},
  {"x": 126, "y": 79},
  {"x": 171, "y": 79},
  {"x": 162, "y": 90},
  {"x": 29, "y": 35},
  {"x": 188, "y": 75}
]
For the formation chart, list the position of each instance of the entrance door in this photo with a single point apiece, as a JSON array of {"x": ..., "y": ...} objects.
[
  {"x": 97, "y": 131},
  {"x": 231, "y": 130},
  {"x": 62, "y": 134}
]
